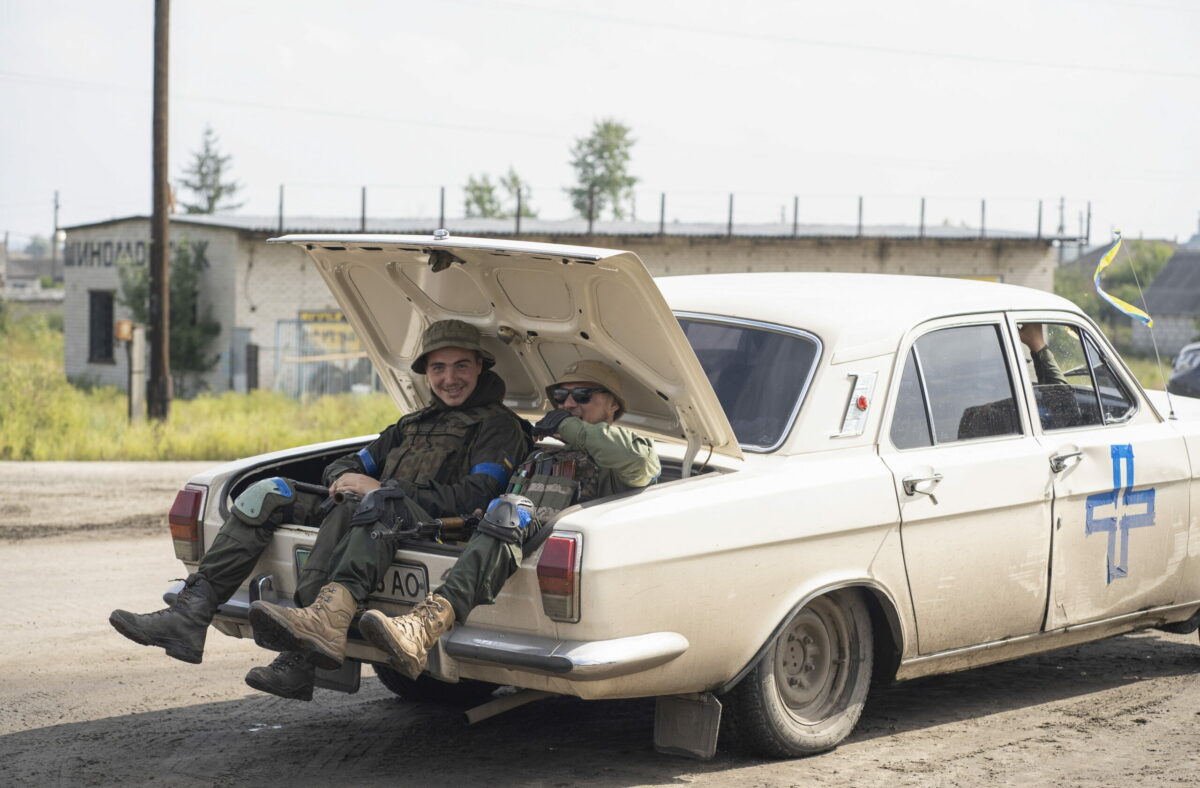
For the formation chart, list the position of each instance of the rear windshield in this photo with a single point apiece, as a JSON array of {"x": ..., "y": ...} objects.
[{"x": 759, "y": 372}]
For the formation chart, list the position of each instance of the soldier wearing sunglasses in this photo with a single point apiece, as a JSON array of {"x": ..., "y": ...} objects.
[{"x": 598, "y": 458}]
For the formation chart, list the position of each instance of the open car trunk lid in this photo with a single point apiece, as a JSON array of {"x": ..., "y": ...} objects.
[{"x": 539, "y": 308}]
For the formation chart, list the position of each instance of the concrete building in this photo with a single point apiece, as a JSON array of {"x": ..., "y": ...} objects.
[{"x": 280, "y": 327}]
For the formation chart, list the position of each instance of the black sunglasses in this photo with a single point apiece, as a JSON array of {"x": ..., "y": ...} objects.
[{"x": 581, "y": 395}]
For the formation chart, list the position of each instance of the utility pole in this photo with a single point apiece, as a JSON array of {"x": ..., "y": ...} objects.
[
  {"x": 159, "y": 399},
  {"x": 54, "y": 242}
]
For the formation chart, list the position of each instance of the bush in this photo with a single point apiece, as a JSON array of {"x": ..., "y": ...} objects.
[{"x": 44, "y": 417}]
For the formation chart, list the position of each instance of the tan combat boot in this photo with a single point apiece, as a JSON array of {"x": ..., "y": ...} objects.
[
  {"x": 407, "y": 639},
  {"x": 318, "y": 630}
]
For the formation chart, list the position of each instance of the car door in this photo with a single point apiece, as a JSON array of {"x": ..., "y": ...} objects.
[
  {"x": 972, "y": 484},
  {"x": 1121, "y": 483}
]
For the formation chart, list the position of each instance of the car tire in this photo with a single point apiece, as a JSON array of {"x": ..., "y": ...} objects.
[
  {"x": 426, "y": 689},
  {"x": 807, "y": 691}
]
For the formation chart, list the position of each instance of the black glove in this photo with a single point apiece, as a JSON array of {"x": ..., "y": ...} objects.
[{"x": 549, "y": 423}]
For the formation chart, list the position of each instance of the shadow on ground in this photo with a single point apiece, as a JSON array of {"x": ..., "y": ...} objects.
[{"x": 373, "y": 738}]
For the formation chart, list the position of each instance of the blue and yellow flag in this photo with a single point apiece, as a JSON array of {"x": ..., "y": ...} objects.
[{"x": 1124, "y": 306}]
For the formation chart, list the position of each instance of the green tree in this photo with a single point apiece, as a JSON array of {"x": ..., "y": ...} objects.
[
  {"x": 191, "y": 332},
  {"x": 601, "y": 162},
  {"x": 37, "y": 247},
  {"x": 207, "y": 178},
  {"x": 514, "y": 186},
  {"x": 481, "y": 200}
]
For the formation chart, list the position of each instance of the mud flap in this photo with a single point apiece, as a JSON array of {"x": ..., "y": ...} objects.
[
  {"x": 687, "y": 725},
  {"x": 344, "y": 679}
]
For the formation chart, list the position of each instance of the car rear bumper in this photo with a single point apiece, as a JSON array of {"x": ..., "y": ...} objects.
[{"x": 576, "y": 660}]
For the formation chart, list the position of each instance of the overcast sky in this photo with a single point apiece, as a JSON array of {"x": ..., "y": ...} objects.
[{"x": 954, "y": 100}]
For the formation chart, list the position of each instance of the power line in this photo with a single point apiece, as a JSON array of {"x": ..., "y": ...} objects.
[{"x": 841, "y": 45}]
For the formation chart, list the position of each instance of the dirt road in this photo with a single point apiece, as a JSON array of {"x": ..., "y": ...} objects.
[{"x": 80, "y": 705}]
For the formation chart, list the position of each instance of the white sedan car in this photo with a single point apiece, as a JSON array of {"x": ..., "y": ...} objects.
[{"x": 863, "y": 478}]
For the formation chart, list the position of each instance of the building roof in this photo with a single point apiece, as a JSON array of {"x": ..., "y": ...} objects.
[
  {"x": 1176, "y": 289},
  {"x": 270, "y": 225}
]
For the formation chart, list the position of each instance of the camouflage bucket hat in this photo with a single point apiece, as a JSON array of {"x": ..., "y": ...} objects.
[
  {"x": 589, "y": 371},
  {"x": 450, "y": 333}
]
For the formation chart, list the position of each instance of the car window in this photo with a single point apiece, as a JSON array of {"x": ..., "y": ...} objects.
[
  {"x": 758, "y": 373},
  {"x": 1073, "y": 381},
  {"x": 1115, "y": 401},
  {"x": 910, "y": 423},
  {"x": 965, "y": 388},
  {"x": 1063, "y": 389}
]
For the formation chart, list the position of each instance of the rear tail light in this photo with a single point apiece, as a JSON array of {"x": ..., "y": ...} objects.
[
  {"x": 185, "y": 522},
  {"x": 558, "y": 576}
]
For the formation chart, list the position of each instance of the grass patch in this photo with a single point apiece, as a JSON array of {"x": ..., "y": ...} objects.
[
  {"x": 44, "y": 417},
  {"x": 1145, "y": 370}
]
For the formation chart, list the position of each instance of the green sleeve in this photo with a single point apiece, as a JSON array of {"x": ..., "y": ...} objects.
[
  {"x": 373, "y": 454},
  {"x": 628, "y": 454},
  {"x": 1045, "y": 367},
  {"x": 499, "y": 444}
]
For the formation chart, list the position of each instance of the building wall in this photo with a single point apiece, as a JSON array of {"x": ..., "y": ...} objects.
[
  {"x": 1025, "y": 262},
  {"x": 275, "y": 282},
  {"x": 91, "y": 256},
  {"x": 251, "y": 286},
  {"x": 1171, "y": 332}
]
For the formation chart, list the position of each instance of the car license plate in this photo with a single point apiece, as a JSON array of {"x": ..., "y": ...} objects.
[{"x": 403, "y": 582}]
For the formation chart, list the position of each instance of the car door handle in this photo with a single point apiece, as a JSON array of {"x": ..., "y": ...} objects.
[
  {"x": 921, "y": 485},
  {"x": 1058, "y": 462}
]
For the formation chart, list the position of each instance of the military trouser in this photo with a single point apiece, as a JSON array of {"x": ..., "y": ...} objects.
[
  {"x": 238, "y": 545},
  {"x": 348, "y": 555},
  {"x": 342, "y": 554},
  {"x": 481, "y": 571}
]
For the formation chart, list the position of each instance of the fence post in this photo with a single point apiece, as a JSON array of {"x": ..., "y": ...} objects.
[
  {"x": 860, "y": 202},
  {"x": 362, "y": 215},
  {"x": 729, "y": 226},
  {"x": 982, "y": 218},
  {"x": 795, "y": 215},
  {"x": 1039, "y": 230},
  {"x": 1087, "y": 237},
  {"x": 442, "y": 209},
  {"x": 280, "y": 230},
  {"x": 921, "y": 226},
  {"x": 519, "y": 208},
  {"x": 662, "y": 214}
]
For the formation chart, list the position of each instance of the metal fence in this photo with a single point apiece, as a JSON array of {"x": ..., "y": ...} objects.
[
  {"x": 683, "y": 212},
  {"x": 315, "y": 358}
]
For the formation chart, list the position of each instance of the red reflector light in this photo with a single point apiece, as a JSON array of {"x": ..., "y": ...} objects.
[
  {"x": 185, "y": 515},
  {"x": 556, "y": 567},
  {"x": 558, "y": 577}
]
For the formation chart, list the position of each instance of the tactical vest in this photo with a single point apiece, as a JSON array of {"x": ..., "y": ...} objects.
[
  {"x": 555, "y": 479},
  {"x": 434, "y": 442}
]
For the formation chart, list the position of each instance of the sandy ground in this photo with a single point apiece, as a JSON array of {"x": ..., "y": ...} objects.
[{"x": 80, "y": 705}]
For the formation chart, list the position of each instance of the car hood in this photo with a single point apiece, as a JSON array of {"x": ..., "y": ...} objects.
[{"x": 539, "y": 307}]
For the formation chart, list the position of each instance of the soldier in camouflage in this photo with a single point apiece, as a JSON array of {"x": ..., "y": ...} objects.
[
  {"x": 446, "y": 459},
  {"x": 598, "y": 458}
]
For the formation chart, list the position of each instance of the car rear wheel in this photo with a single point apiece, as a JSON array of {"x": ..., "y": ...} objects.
[
  {"x": 807, "y": 692},
  {"x": 426, "y": 689}
]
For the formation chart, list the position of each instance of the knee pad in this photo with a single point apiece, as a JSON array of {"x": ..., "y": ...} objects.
[
  {"x": 509, "y": 519},
  {"x": 262, "y": 499}
]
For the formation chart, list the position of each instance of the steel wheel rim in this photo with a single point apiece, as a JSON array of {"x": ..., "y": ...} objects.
[{"x": 811, "y": 657}]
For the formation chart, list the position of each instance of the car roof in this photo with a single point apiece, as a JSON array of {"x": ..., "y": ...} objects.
[{"x": 849, "y": 307}]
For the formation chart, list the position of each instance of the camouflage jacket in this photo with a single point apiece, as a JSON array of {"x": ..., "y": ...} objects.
[{"x": 450, "y": 461}]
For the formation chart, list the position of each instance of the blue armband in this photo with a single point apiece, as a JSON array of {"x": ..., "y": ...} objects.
[
  {"x": 493, "y": 469},
  {"x": 368, "y": 462}
]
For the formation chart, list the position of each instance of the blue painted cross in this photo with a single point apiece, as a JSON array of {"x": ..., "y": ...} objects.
[{"x": 1118, "y": 498}]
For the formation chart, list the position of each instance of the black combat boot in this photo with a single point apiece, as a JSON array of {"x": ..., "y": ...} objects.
[
  {"x": 289, "y": 676},
  {"x": 180, "y": 628}
]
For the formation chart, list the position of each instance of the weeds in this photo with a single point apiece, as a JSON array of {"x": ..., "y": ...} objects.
[{"x": 43, "y": 417}]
